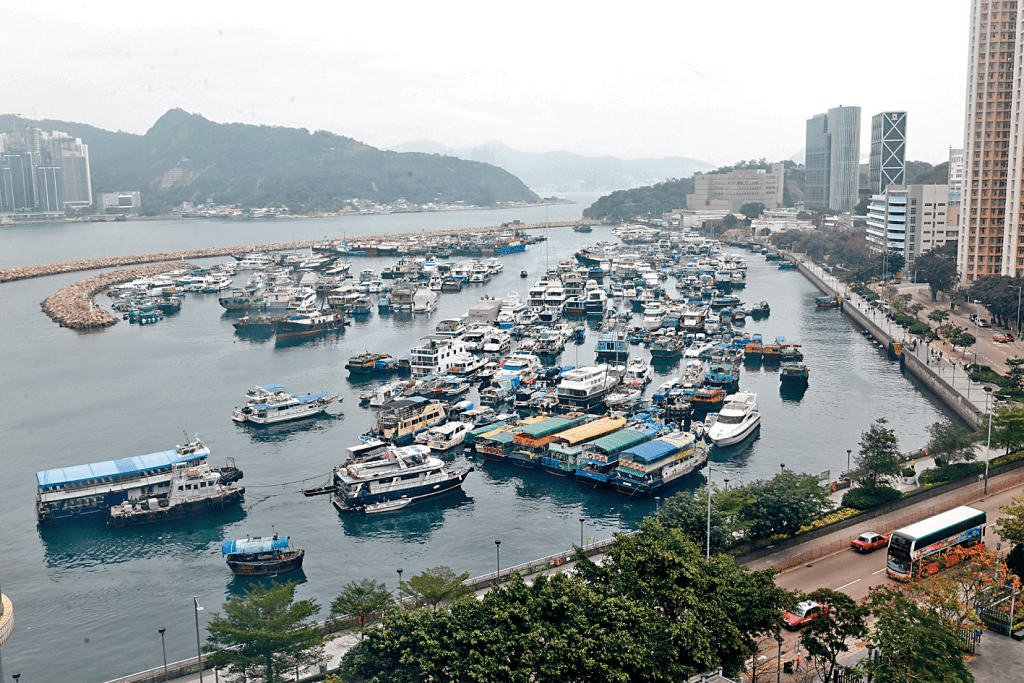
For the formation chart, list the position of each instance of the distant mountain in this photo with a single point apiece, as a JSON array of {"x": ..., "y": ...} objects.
[
  {"x": 185, "y": 157},
  {"x": 565, "y": 171}
]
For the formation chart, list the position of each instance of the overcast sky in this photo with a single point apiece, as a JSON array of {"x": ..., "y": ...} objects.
[{"x": 716, "y": 81}]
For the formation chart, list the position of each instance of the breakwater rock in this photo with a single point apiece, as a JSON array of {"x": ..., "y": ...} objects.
[{"x": 73, "y": 307}]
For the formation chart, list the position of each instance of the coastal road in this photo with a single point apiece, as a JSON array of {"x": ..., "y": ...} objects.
[{"x": 855, "y": 574}]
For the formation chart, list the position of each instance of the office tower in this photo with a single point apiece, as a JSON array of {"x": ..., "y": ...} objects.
[
  {"x": 887, "y": 164},
  {"x": 832, "y": 158},
  {"x": 21, "y": 183},
  {"x": 990, "y": 220}
]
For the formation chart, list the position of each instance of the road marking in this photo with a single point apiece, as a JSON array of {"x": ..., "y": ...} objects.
[
  {"x": 849, "y": 584},
  {"x": 878, "y": 572}
]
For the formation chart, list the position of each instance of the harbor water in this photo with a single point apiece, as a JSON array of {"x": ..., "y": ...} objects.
[{"x": 89, "y": 600}]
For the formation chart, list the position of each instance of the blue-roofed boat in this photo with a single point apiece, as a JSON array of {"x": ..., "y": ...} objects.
[
  {"x": 261, "y": 556},
  {"x": 82, "y": 492},
  {"x": 600, "y": 458},
  {"x": 194, "y": 491},
  {"x": 650, "y": 467},
  {"x": 271, "y": 404}
]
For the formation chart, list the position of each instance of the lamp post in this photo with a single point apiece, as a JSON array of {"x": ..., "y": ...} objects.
[
  {"x": 497, "y": 555},
  {"x": 783, "y": 466},
  {"x": 778, "y": 663},
  {"x": 657, "y": 504},
  {"x": 399, "y": 586},
  {"x": 199, "y": 649},
  {"x": 581, "y": 532},
  {"x": 164, "y": 647},
  {"x": 976, "y": 302},
  {"x": 848, "y": 452},
  {"x": 871, "y": 660},
  {"x": 988, "y": 400},
  {"x": 17, "y": 675}
]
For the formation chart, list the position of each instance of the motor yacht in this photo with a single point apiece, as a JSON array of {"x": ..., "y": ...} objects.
[{"x": 737, "y": 420}]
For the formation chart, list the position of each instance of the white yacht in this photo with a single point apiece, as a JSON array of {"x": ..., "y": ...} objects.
[
  {"x": 638, "y": 373},
  {"x": 497, "y": 342},
  {"x": 519, "y": 364},
  {"x": 278, "y": 406},
  {"x": 693, "y": 372},
  {"x": 586, "y": 386},
  {"x": 737, "y": 420},
  {"x": 423, "y": 300},
  {"x": 654, "y": 316},
  {"x": 448, "y": 435},
  {"x": 435, "y": 283},
  {"x": 302, "y": 298}
]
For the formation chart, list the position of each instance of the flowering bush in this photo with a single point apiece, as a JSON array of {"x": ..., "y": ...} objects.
[{"x": 831, "y": 518}]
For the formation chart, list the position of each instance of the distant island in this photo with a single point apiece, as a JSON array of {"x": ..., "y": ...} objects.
[{"x": 187, "y": 158}]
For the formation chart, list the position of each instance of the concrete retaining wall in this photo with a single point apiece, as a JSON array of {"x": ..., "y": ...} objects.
[{"x": 970, "y": 413}]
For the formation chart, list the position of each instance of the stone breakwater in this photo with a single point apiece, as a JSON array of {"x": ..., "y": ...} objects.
[
  {"x": 27, "y": 272},
  {"x": 72, "y": 306}
]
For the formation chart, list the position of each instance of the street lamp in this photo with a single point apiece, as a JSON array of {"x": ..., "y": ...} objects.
[
  {"x": 783, "y": 466},
  {"x": 17, "y": 675},
  {"x": 581, "y": 532},
  {"x": 399, "y": 586},
  {"x": 199, "y": 649},
  {"x": 848, "y": 452},
  {"x": 164, "y": 646},
  {"x": 988, "y": 453},
  {"x": 778, "y": 663},
  {"x": 497, "y": 554},
  {"x": 657, "y": 503}
]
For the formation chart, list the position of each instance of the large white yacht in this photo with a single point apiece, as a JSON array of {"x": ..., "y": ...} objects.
[
  {"x": 736, "y": 420},
  {"x": 586, "y": 386}
]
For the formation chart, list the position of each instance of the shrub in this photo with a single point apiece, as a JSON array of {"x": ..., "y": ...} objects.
[
  {"x": 955, "y": 472},
  {"x": 862, "y": 498},
  {"x": 1008, "y": 458},
  {"x": 1015, "y": 560},
  {"x": 919, "y": 327},
  {"x": 907, "y": 472}
]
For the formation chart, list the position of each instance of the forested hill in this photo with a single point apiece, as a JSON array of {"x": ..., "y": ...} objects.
[{"x": 185, "y": 157}]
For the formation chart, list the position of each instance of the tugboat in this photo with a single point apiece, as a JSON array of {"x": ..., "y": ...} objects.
[
  {"x": 794, "y": 374},
  {"x": 261, "y": 556},
  {"x": 307, "y": 322},
  {"x": 260, "y": 325}
]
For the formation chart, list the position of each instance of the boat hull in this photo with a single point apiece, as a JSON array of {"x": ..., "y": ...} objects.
[
  {"x": 289, "y": 562},
  {"x": 184, "y": 509},
  {"x": 354, "y": 504},
  {"x": 737, "y": 437}
]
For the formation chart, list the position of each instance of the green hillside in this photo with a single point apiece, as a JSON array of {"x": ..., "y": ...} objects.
[{"x": 185, "y": 157}]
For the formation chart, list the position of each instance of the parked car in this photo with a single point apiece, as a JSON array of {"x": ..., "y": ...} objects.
[
  {"x": 869, "y": 541},
  {"x": 1004, "y": 338},
  {"x": 804, "y": 613},
  {"x": 982, "y": 322}
]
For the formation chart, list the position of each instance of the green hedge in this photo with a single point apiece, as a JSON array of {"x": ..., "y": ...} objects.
[
  {"x": 955, "y": 472},
  {"x": 863, "y": 498},
  {"x": 1008, "y": 458},
  {"x": 919, "y": 327}
]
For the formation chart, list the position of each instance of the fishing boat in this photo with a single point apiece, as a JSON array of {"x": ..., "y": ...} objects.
[
  {"x": 826, "y": 301},
  {"x": 707, "y": 399},
  {"x": 796, "y": 374},
  {"x": 773, "y": 350},
  {"x": 307, "y": 322},
  {"x": 194, "y": 490},
  {"x": 613, "y": 345},
  {"x": 737, "y": 420},
  {"x": 367, "y": 363},
  {"x": 664, "y": 346},
  {"x": 255, "y": 326},
  {"x": 409, "y": 472},
  {"x": 408, "y": 417},
  {"x": 266, "y": 556},
  {"x": 753, "y": 349},
  {"x": 448, "y": 435}
]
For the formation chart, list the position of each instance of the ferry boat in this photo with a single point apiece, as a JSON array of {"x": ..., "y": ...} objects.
[
  {"x": 266, "y": 556},
  {"x": 277, "y": 405},
  {"x": 650, "y": 467},
  {"x": 80, "y": 492},
  {"x": 307, "y": 322},
  {"x": 586, "y": 386},
  {"x": 193, "y": 491},
  {"x": 408, "y": 417},
  {"x": 409, "y": 472},
  {"x": 737, "y": 420}
]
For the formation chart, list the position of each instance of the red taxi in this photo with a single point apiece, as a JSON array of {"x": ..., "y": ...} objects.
[{"x": 869, "y": 541}]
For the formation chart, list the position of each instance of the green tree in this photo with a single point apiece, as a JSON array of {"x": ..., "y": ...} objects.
[
  {"x": 938, "y": 315},
  {"x": 438, "y": 586},
  {"x": 915, "y": 643},
  {"x": 825, "y": 638},
  {"x": 1008, "y": 426},
  {"x": 1011, "y": 526},
  {"x": 938, "y": 270},
  {"x": 1014, "y": 384},
  {"x": 264, "y": 633},
  {"x": 894, "y": 263},
  {"x": 688, "y": 512},
  {"x": 359, "y": 603},
  {"x": 963, "y": 340},
  {"x": 662, "y": 570},
  {"x": 784, "y": 504},
  {"x": 879, "y": 455},
  {"x": 752, "y": 210},
  {"x": 950, "y": 442}
]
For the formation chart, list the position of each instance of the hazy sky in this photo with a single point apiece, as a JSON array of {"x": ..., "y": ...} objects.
[{"x": 717, "y": 81}]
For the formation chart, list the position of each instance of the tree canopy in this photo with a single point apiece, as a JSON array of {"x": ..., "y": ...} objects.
[
  {"x": 360, "y": 602},
  {"x": 879, "y": 454},
  {"x": 952, "y": 443},
  {"x": 688, "y": 512},
  {"x": 937, "y": 267},
  {"x": 437, "y": 586},
  {"x": 265, "y": 633},
  {"x": 826, "y": 638},
  {"x": 784, "y": 503}
]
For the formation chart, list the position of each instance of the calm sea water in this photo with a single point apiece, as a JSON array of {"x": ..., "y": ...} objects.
[{"x": 88, "y": 601}]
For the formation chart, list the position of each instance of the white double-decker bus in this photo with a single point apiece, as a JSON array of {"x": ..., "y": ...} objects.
[{"x": 918, "y": 549}]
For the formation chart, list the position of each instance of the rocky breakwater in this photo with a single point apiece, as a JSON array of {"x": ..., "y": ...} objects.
[{"x": 73, "y": 306}]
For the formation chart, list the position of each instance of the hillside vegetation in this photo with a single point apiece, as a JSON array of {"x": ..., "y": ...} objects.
[{"x": 185, "y": 157}]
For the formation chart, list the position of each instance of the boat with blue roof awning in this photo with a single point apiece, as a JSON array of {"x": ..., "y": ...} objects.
[
  {"x": 263, "y": 556},
  {"x": 270, "y": 404}
]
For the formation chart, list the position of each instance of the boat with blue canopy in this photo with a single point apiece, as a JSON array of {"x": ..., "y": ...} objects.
[{"x": 264, "y": 556}]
